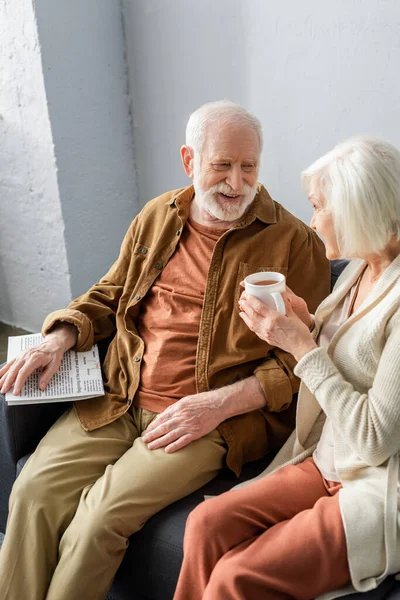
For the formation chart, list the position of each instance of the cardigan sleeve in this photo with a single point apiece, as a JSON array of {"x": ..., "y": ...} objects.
[{"x": 370, "y": 422}]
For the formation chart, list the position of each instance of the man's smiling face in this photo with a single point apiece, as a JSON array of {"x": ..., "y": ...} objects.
[{"x": 225, "y": 175}]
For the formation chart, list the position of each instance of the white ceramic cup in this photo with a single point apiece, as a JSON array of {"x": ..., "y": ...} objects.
[{"x": 270, "y": 292}]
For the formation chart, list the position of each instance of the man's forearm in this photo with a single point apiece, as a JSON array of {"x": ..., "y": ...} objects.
[
  {"x": 238, "y": 398},
  {"x": 194, "y": 416}
]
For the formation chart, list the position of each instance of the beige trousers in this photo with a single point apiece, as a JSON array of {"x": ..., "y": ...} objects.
[{"x": 82, "y": 494}]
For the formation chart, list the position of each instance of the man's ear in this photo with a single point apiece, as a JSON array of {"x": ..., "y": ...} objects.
[{"x": 187, "y": 160}]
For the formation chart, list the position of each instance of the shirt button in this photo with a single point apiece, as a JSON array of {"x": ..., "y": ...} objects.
[
  {"x": 137, "y": 359},
  {"x": 137, "y": 297},
  {"x": 128, "y": 401},
  {"x": 159, "y": 266},
  {"x": 178, "y": 232},
  {"x": 143, "y": 250}
]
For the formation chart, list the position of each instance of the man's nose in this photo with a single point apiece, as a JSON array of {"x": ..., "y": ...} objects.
[{"x": 235, "y": 179}]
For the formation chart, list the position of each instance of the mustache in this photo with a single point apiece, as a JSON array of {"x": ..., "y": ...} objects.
[{"x": 223, "y": 188}]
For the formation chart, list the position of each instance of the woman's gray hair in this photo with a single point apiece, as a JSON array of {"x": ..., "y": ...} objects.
[
  {"x": 218, "y": 113},
  {"x": 360, "y": 180}
]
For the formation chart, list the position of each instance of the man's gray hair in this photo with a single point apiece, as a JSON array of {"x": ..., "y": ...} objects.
[
  {"x": 360, "y": 180},
  {"x": 218, "y": 113}
]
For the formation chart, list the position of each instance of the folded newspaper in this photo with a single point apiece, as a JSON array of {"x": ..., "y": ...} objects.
[{"x": 78, "y": 378}]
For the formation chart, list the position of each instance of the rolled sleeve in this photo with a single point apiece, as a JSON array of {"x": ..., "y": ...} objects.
[
  {"x": 278, "y": 383},
  {"x": 85, "y": 328}
]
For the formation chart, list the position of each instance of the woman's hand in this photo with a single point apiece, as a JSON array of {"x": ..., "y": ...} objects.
[
  {"x": 299, "y": 307},
  {"x": 298, "y": 304},
  {"x": 287, "y": 332},
  {"x": 47, "y": 357}
]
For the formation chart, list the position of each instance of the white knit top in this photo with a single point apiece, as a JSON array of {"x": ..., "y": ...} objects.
[
  {"x": 355, "y": 382},
  {"x": 324, "y": 453}
]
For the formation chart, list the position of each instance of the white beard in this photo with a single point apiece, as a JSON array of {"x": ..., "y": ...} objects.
[{"x": 223, "y": 209}]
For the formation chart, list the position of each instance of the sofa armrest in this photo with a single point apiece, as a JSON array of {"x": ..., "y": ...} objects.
[{"x": 21, "y": 429}]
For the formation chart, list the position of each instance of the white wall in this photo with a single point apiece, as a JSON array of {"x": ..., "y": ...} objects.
[
  {"x": 314, "y": 73},
  {"x": 33, "y": 265},
  {"x": 67, "y": 175},
  {"x": 181, "y": 53},
  {"x": 83, "y": 57},
  {"x": 320, "y": 72}
]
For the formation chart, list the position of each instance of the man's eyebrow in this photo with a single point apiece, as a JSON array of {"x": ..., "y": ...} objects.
[{"x": 226, "y": 158}]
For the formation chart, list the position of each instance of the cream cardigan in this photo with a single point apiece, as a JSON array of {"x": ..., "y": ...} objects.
[{"x": 356, "y": 383}]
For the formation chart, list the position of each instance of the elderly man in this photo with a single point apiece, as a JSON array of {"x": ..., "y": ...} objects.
[{"x": 188, "y": 386}]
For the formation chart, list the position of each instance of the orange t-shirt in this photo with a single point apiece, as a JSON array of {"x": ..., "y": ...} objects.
[{"x": 169, "y": 321}]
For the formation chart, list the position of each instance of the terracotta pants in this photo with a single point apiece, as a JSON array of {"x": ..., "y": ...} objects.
[
  {"x": 79, "y": 498},
  {"x": 281, "y": 537}
]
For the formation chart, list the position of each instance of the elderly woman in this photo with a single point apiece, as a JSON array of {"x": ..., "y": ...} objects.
[{"x": 326, "y": 516}]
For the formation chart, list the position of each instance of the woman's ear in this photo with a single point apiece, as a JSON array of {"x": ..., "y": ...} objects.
[{"x": 187, "y": 160}]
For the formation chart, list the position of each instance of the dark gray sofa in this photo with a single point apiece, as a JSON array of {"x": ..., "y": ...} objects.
[{"x": 151, "y": 565}]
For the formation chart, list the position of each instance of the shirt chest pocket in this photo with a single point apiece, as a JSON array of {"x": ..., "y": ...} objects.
[{"x": 246, "y": 269}]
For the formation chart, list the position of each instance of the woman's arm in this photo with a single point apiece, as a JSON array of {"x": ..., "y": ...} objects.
[{"x": 370, "y": 422}]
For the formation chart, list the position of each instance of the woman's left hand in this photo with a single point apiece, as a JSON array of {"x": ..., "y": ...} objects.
[{"x": 287, "y": 332}]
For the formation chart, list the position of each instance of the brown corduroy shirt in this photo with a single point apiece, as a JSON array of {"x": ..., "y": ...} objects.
[{"x": 267, "y": 238}]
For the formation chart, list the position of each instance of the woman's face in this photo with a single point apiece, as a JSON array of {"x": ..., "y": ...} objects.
[{"x": 322, "y": 221}]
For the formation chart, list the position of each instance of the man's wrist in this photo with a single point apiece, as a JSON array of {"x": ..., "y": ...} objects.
[
  {"x": 217, "y": 401},
  {"x": 66, "y": 335},
  {"x": 237, "y": 398}
]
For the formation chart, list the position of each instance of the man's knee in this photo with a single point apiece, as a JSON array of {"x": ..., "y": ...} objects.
[
  {"x": 28, "y": 490},
  {"x": 95, "y": 521}
]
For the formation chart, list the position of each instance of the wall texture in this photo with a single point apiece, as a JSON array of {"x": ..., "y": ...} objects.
[
  {"x": 181, "y": 54},
  {"x": 318, "y": 73},
  {"x": 314, "y": 73},
  {"x": 67, "y": 177},
  {"x": 83, "y": 57},
  {"x": 34, "y": 275}
]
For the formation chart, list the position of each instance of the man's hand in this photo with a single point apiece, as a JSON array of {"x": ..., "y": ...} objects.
[
  {"x": 194, "y": 416},
  {"x": 187, "y": 420},
  {"x": 47, "y": 357}
]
